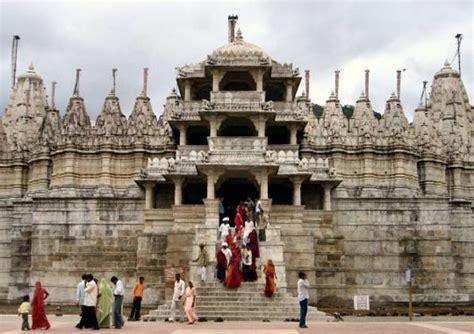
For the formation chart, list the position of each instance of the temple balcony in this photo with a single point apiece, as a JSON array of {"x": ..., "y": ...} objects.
[{"x": 237, "y": 97}]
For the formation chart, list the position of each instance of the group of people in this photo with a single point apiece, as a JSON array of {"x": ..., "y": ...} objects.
[
  {"x": 37, "y": 307},
  {"x": 97, "y": 303},
  {"x": 184, "y": 298},
  {"x": 102, "y": 305}
]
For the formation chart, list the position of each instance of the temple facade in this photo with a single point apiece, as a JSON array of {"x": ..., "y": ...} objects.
[{"x": 353, "y": 201}]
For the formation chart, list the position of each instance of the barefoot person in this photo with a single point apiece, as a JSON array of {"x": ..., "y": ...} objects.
[
  {"x": 137, "y": 299},
  {"x": 303, "y": 296},
  {"x": 89, "y": 317},
  {"x": 106, "y": 300},
  {"x": 190, "y": 303},
  {"x": 38, "y": 313},
  {"x": 118, "y": 301},
  {"x": 23, "y": 311},
  {"x": 270, "y": 276},
  {"x": 177, "y": 301}
]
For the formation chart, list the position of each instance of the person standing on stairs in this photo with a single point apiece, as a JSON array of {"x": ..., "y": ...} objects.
[
  {"x": 221, "y": 265},
  {"x": 177, "y": 301},
  {"x": 303, "y": 297},
  {"x": 221, "y": 210},
  {"x": 202, "y": 261},
  {"x": 224, "y": 228}
]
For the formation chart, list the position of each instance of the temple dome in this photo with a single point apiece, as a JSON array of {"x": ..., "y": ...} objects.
[
  {"x": 30, "y": 74},
  {"x": 241, "y": 50}
]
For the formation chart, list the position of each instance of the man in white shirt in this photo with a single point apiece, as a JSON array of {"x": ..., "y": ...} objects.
[
  {"x": 89, "y": 317},
  {"x": 117, "y": 307},
  {"x": 246, "y": 253},
  {"x": 259, "y": 211},
  {"x": 227, "y": 252},
  {"x": 303, "y": 297},
  {"x": 177, "y": 301},
  {"x": 80, "y": 296},
  {"x": 224, "y": 228}
]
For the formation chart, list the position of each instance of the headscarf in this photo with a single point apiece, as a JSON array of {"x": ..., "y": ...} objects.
[
  {"x": 105, "y": 301},
  {"x": 38, "y": 311},
  {"x": 269, "y": 268}
]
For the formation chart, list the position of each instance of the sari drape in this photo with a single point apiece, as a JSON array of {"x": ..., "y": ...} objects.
[
  {"x": 221, "y": 265},
  {"x": 270, "y": 276},
  {"x": 105, "y": 304},
  {"x": 38, "y": 309}
]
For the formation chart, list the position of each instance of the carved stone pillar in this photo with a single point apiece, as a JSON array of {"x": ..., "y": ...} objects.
[
  {"x": 182, "y": 134},
  {"x": 187, "y": 90},
  {"x": 211, "y": 192},
  {"x": 293, "y": 132},
  {"x": 264, "y": 186},
  {"x": 216, "y": 78},
  {"x": 178, "y": 190},
  {"x": 289, "y": 92},
  {"x": 327, "y": 197},
  {"x": 297, "y": 181},
  {"x": 149, "y": 195}
]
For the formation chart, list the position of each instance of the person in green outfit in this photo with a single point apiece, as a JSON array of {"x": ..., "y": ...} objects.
[{"x": 106, "y": 299}]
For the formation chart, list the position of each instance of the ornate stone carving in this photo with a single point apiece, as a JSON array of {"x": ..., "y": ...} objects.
[
  {"x": 76, "y": 122},
  {"x": 111, "y": 121}
]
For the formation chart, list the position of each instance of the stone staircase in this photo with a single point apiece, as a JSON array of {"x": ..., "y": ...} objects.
[{"x": 245, "y": 303}]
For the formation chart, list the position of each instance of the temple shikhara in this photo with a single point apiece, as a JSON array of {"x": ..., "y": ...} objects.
[{"x": 352, "y": 201}]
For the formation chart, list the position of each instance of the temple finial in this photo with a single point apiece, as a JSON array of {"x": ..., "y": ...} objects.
[
  {"x": 76, "y": 85},
  {"x": 114, "y": 71}
]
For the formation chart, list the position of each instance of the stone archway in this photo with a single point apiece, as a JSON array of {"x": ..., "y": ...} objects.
[
  {"x": 235, "y": 187},
  {"x": 237, "y": 127}
]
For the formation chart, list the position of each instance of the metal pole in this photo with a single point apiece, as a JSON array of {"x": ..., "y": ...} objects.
[
  {"x": 15, "y": 40},
  {"x": 114, "y": 70},
  {"x": 367, "y": 84},
  {"x": 410, "y": 300},
  {"x": 337, "y": 85},
  {"x": 76, "y": 86},
  {"x": 307, "y": 82},
  {"x": 145, "y": 81},
  {"x": 399, "y": 79},
  {"x": 53, "y": 92}
]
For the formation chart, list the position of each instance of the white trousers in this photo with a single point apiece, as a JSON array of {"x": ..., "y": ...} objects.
[
  {"x": 176, "y": 304},
  {"x": 203, "y": 273}
]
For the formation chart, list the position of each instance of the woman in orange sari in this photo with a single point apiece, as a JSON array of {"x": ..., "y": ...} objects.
[
  {"x": 270, "y": 277},
  {"x": 38, "y": 311}
]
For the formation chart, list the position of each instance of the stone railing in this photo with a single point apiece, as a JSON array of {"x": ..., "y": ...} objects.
[
  {"x": 237, "y": 144},
  {"x": 238, "y": 97}
]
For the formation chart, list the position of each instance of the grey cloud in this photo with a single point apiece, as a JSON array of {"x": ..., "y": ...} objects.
[{"x": 321, "y": 36}]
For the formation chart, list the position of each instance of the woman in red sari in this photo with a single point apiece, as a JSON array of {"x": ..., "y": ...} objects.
[
  {"x": 270, "y": 276},
  {"x": 253, "y": 244},
  {"x": 38, "y": 310},
  {"x": 234, "y": 275},
  {"x": 238, "y": 221}
]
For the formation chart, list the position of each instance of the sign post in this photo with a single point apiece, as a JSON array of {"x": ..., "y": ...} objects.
[{"x": 409, "y": 278}]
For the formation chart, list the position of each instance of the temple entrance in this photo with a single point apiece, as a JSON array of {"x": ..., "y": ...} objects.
[{"x": 234, "y": 190}]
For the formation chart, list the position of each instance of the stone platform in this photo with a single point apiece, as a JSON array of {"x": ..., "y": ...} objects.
[{"x": 245, "y": 303}]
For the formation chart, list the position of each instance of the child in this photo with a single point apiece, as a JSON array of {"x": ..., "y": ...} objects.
[{"x": 24, "y": 310}]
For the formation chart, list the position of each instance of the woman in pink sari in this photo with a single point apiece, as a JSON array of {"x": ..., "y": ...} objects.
[
  {"x": 190, "y": 303},
  {"x": 38, "y": 310}
]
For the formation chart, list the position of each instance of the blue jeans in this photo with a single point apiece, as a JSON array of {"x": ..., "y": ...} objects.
[
  {"x": 117, "y": 311},
  {"x": 303, "y": 311}
]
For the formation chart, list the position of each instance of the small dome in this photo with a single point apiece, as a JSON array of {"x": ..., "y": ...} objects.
[
  {"x": 30, "y": 74},
  {"x": 240, "y": 49},
  {"x": 447, "y": 70}
]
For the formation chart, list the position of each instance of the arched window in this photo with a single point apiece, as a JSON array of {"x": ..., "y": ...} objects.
[
  {"x": 237, "y": 81},
  {"x": 237, "y": 127}
]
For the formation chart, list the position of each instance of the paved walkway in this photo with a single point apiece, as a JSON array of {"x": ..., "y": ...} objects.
[{"x": 366, "y": 325}]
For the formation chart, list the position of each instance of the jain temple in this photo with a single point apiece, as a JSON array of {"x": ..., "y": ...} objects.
[{"x": 352, "y": 201}]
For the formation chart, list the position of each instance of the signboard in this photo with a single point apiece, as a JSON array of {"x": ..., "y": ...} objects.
[
  {"x": 362, "y": 303},
  {"x": 409, "y": 275}
]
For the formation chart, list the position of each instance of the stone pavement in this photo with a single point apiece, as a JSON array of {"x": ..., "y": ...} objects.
[{"x": 366, "y": 325}]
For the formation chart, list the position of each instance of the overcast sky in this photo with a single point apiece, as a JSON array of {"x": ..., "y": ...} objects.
[{"x": 322, "y": 36}]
